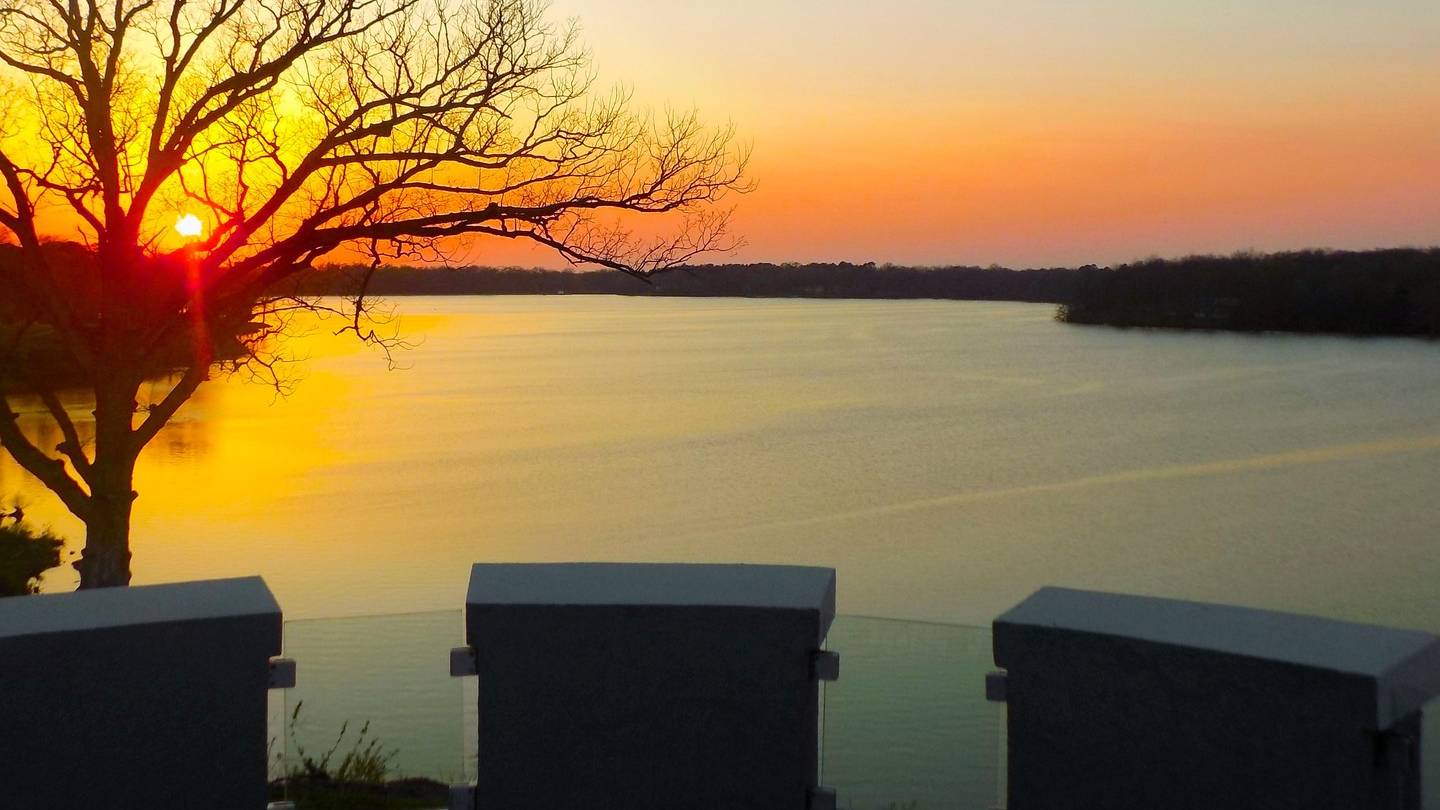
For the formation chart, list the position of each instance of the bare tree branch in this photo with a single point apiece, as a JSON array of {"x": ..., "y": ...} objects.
[{"x": 297, "y": 130}]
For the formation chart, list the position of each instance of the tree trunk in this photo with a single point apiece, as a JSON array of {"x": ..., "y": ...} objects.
[{"x": 105, "y": 561}]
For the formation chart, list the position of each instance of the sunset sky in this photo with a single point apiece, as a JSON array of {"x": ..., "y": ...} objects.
[{"x": 1048, "y": 132}]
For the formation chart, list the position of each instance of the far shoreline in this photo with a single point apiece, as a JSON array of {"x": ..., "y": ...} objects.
[{"x": 1377, "y": 293}]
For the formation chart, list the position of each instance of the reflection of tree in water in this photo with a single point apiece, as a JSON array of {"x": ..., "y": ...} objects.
[
  {"x": 188, "y": 439},
  {"x": 181, "y": 438},
  {"x": 14, "y": 483}
]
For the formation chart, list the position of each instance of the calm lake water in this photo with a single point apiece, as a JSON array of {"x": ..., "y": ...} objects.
[{"x": 947, "y": 457}]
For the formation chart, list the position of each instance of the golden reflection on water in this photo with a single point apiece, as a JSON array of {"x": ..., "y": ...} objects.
[
  {"x": 946, "y": 457},
  {"x": 224, "y": 457}
]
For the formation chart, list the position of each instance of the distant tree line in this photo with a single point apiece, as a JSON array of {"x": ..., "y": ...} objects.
[
  {"x": 36, "y": 356},
  {"x": 1380, "y": 292},
  {"x": 841, "y": 280}
]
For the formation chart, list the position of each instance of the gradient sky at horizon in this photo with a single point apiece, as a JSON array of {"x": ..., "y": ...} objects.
[{"x": 1047, "y": 131}]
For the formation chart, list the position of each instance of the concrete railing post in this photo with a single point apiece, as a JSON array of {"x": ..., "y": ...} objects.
[
  {"x": 137, "y": 697},
  {"x": 647, "y": 687},
  {"x": 1130, "y": 702}
]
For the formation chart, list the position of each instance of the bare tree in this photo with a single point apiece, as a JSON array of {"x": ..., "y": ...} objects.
[{"x": 295, "y": 129}]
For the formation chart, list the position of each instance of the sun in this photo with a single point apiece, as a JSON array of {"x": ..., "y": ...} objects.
[{"x": 189, "y": 226}]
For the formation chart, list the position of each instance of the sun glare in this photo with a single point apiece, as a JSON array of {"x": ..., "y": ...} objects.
[{"x": 189, "y": 226}]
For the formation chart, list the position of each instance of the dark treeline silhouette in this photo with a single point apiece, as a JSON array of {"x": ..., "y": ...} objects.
[
  {"x": 843, "y": 280},
  {"x": 34, "y": 354},
  {"x": 1379, "y": 292}
]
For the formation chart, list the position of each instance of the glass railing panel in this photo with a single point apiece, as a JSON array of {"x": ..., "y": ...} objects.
[
  {"x": 374, "y": 707},
  {"x": 1430, "y": 755},
  {"x": 907, "y": 726},
  {"x": 470, "y": 723},
  {"x": 275, "y": 718}
]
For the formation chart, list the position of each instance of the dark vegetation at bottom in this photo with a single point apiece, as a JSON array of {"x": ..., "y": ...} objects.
[
  {"x": 310, "y": 793},
  {"x": 357, "y": 779},
  {"x": 25, "y": 554}
]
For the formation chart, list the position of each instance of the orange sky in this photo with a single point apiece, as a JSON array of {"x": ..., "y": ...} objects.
[{"x": 1041, "y": 132}]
